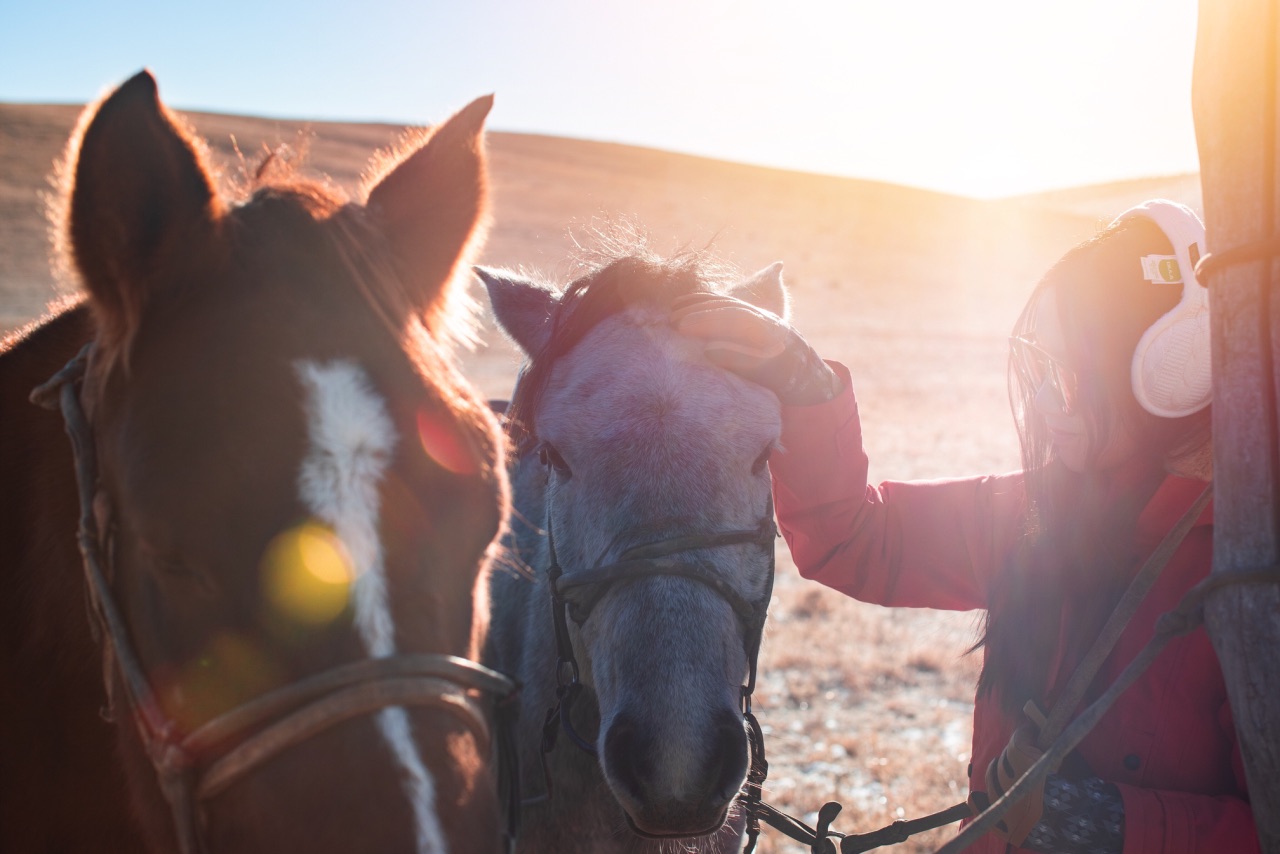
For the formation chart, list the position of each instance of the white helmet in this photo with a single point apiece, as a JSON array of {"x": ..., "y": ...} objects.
[{"x": 1171, "y": 365}]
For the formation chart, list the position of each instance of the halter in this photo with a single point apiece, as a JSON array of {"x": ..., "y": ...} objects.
[
  {"x": 193, "y": 768},
  {"x": 575, "y": 594}
]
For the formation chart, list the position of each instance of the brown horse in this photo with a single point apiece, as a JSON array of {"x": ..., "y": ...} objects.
[{"x": 290, "y": 515}]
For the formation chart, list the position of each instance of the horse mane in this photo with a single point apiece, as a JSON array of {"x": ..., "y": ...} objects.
[
  {"x": 452, "y": 320},
  {"x": 429, "y": 338},
  {"x": 627, "y": 273}
]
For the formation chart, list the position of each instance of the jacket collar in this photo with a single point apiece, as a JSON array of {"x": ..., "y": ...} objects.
[{"x": 1170, "y": 501}]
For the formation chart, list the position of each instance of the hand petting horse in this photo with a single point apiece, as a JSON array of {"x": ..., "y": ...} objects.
[
  {"x": 642, "y": 509},
  {"x": 286, "y": 496}
]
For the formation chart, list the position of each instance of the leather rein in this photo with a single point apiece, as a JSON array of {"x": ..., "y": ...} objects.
[{"x": 194, "y": 767}]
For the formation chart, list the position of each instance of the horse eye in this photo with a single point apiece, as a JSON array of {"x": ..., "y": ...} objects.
[
  {"x": 761, "y": 461},
  {"x": 179, "y": 570},
  {"x": 549, "y": 456}
]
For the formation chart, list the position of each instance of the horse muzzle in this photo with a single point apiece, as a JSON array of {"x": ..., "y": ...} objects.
[{"x": 662, "y": 794}]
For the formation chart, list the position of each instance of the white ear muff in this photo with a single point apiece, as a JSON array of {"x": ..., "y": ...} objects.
[{"x": 1171, "y": 365}]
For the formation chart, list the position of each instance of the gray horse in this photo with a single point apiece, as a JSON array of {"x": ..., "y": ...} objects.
[{"x": 640, "y": 483}]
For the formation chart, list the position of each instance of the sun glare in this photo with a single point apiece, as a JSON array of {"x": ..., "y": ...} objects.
[{"x": 986, "y": 98}]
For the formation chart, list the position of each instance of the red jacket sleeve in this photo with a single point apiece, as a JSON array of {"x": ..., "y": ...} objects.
[
  {"x": 1164, "y": 822},
  {"x": 933, "y": 544}
]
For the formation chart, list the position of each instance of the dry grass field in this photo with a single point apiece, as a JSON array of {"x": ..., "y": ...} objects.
[{"x": 915, "y": 291}]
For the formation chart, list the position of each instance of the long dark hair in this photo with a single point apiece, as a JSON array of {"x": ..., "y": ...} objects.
[{"x": 1077, "y": 553}]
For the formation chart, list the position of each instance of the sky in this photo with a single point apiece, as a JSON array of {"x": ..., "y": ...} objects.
[{"x": 984, "y": 98}]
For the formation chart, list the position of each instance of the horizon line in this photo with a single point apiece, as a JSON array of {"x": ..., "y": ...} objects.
[{"x": 395, "y": 123}]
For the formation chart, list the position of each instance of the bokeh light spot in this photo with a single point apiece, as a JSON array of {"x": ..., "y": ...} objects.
[
  {"x": 231, "y": 670},
  {"x": 442, "y": 441},
  {"x": 307, "y": 574}
]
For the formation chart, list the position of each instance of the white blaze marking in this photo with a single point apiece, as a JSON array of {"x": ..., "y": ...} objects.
[{"x": 351, "y": 440}]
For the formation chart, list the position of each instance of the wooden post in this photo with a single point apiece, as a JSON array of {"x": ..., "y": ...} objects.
[{"x": 1234, "y": 98}]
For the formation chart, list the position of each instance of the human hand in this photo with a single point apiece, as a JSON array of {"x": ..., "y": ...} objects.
[
  {"x": 757, "y": 345},
  {"x": 1005, "y": 770}
]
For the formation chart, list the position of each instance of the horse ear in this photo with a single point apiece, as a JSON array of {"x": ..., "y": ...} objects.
[
  {"x": 764, "y": 289},
  {"x": 142, "y": 204},
  {"x": 522, "y": 306},
  {"x": 433, "y": 203}
]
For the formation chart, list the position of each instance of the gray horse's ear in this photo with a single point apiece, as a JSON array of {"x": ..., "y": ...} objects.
[
  {"x": 522, "y": 306},
  {"x": 764, "y": 289}
]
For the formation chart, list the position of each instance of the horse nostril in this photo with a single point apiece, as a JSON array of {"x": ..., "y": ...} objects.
[
  {"x": 730, "y": 762},
  {"x": 629, "y": 756}
]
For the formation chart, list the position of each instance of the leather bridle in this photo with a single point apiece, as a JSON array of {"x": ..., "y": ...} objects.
[
  {"x": 195, "y": 767},
  {"x": 574, "y": 595}
]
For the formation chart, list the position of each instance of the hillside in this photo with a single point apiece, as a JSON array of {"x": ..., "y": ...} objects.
[{"x": 915, "y": 291}]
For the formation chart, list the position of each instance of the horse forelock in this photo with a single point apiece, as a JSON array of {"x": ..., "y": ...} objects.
[
  {"x": 660, "y": 427},
  {"x": 625, "y": 277},
  {"x": 665, "y": 439},
  {"x": 278, "y": 182}
]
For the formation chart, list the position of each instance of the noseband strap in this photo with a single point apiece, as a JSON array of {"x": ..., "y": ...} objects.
[
  {"x": 582, "y": 589},
  {"x": 257, "y": 732},
  {"x": 201, "y": 765}
]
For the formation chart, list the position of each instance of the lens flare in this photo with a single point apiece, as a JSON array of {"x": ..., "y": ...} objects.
[
  {"x": 307, "y": 574},
  {"x": 229, "y": 671},
  {"x": 441, "y": 439}
]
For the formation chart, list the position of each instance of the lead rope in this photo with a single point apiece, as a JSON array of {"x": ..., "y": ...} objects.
[
  {"x": 1088, "y": 668},
  {"x": 1052, "y": 727},
  {"x": 1188, "y": 615},
  {"x": 820, "y": 839}
]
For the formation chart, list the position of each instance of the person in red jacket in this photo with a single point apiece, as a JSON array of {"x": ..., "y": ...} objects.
[{"x": 1110, "y": 387}]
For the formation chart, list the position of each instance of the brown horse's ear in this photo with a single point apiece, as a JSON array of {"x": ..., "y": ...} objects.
[
  {"x": 142, "y": 205},
  {"x": 433, "y": 203}
]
